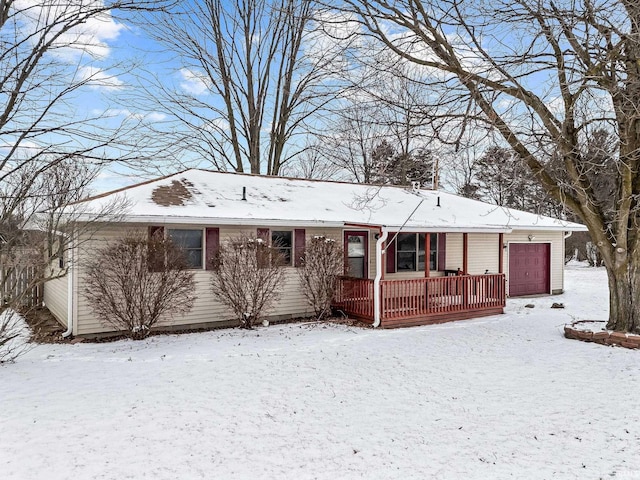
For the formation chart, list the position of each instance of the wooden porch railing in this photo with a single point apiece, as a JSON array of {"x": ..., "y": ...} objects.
[
  {"x": 354, "y": 296},
  {"x": 421, "y": 297},
  {"x": 441, "y": 295}
]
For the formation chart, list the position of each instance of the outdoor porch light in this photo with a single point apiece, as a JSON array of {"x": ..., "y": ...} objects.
[{"x": 532, "y": 237}]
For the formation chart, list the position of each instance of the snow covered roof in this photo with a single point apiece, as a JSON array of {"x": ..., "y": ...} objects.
[{"x": 204, "y": 197}]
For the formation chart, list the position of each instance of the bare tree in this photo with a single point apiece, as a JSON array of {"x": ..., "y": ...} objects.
[
  {"x": 543, "y": 75},
  {"x": 351, "y": 137},
  {"x": 35, "y": 241},
  {"x": 135, "y": 281},
  {"x": 51, "y": 147},
  {"x": 248, "y": 277},
  {"x": 252, "y": 73},
  {"x": 323, "y": 263},
  {"x": 383, "y": 106},
  {"x": 312, "y": 164},
  {"x": 48, "y": 56},
  {"x": 14, "y": 336}
]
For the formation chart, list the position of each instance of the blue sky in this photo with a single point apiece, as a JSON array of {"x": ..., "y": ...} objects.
[{"x": 123, "y": 55}]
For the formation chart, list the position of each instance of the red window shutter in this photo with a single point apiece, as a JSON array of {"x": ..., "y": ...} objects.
[
  {"x": 299, "y": 246},
  {"x": 156, "y": 230},
  {"x": 263, "y": 234},
  {"x": 212, "y": 239},
  {"x": 391, "y": 253},
  {"x": 155, "y": 256},
  {"x": 442, "y": 251}
]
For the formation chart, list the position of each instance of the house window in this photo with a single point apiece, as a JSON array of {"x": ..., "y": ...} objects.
[
  {"x": 283, "y": 242},
  {"x": 410, "y": 252},
  {"x": 406, "y": 252},
  {"x": 60, "y": 253},
  {"x": 190, "y": 241}
]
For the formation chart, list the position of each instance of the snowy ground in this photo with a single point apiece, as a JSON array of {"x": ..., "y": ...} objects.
[{"x": 499, "y": 397}]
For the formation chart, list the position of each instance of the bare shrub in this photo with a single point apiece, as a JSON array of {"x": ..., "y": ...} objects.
[
  {"x": 248, "y": 277},
  {"x": 323, "y": 263},
  {"x": 135, "y": 280},
  {"x": 14, "y": 336}
]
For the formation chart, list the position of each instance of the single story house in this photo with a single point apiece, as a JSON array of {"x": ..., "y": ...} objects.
[{"x": 414, "y": 256}]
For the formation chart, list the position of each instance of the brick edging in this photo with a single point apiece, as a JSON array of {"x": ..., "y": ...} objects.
[{"x": 625, "y": 340}]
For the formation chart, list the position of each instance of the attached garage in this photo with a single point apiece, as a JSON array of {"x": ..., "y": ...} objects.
[{"x": 529, "y": 269}]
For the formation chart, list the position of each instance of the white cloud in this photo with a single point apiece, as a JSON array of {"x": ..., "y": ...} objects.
[
  {"x": 97, "y": 78},
  {"x": 216, "y": 125},
  {"x": 195, "y": 83},
  {"x": 90, "y": 37},
  {"x": 123, "y": 112},
  {"x": 26, "y": 149}
]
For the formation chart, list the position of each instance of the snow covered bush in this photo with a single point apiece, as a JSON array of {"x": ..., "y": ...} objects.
[
  {"x": 136, "y": 280},
  {"x": 14, "y": 336},
  {"x": 323, "y": 263},
  {"x": 248, "y": 277}
]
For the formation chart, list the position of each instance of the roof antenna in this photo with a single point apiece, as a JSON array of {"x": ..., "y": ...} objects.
[{"x": 244, "y": 193}]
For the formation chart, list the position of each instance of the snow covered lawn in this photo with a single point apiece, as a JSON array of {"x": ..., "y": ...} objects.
[{"x": 498, "y": 397}]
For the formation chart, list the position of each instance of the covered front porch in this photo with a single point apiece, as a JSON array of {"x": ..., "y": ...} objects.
[
  {"x": 421, "y": 301},
  {"x": 421, "y": 277}
]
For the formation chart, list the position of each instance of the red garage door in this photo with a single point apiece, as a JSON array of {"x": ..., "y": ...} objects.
[{"x": 529, "y": 272}]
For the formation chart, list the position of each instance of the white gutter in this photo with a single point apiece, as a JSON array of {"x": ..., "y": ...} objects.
[
  {"x": 376, "y": 281},
  {"x": 568, "y": 234},
  {"x": 70, "y": 262},
  {"x": 201, "y": 220}
]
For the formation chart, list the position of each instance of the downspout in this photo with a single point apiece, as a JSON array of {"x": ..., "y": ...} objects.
[
  {"x": 568, "y": 234},
  {"x": 70, "y": 262},
  {"x": 376, "y": 282}
]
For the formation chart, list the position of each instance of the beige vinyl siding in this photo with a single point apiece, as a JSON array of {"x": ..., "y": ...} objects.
[
  {"x": 85, "y": 322},
  {"x": 454, "y": 257},
  {"x": 206, "y": 309},
  {"x": 483, "y": 253},
  {"x": 56, "y": 299},
  {"x": 556, "y": 239}
]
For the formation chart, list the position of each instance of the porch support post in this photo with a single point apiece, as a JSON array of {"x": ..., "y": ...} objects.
[
  {"x": 427, "y": 255},
  {"x": 501, "y": 253},
  {"x": 465, "y": 252},
  {"x": 379, "y": 272}
]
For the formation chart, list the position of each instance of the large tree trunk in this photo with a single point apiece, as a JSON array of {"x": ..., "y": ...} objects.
[{"x": 624, "y": 297}]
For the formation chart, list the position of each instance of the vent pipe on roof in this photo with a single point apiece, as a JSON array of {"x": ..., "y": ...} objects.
[
  {"x": 244, "y": 193},
  {"x": 438, "y": 204}
]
